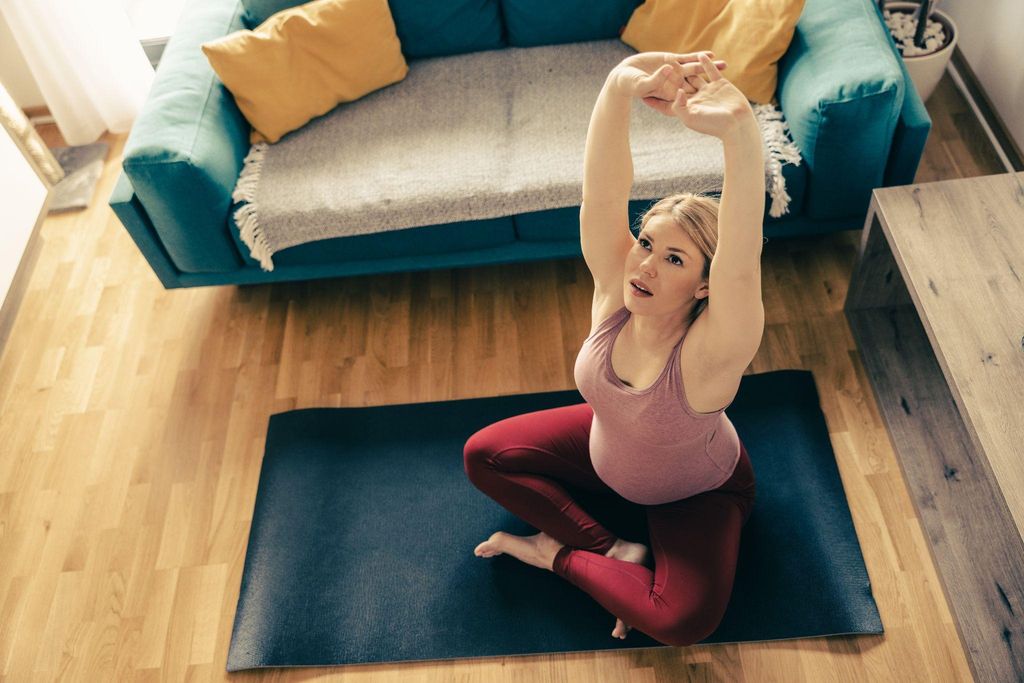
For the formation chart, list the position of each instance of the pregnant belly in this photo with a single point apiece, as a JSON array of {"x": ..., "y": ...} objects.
[{"x": 651, "y": 475}]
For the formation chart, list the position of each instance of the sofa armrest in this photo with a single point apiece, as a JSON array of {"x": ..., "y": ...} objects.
[
  {"x": 185, "y": 150},
  {"x": 910, "y": 136},
  {"x": 126, "y": 206},
  {"x": 841, "y": 88}
]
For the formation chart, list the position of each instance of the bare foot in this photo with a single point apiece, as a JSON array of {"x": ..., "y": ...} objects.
[
  {"x": 627, "y": 552},
  {"x": 538, "y": 550}
]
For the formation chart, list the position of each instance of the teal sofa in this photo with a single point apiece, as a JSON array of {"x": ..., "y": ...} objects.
[{"x": 851, "y": 108}]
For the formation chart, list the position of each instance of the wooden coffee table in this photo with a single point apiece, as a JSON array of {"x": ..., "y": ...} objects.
[{"x": 936, "y": 306}]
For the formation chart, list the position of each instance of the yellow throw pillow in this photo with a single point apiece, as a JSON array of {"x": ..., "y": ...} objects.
[
  {"x": 750, "y": 35},
  {"x": 303, "y": 61}
]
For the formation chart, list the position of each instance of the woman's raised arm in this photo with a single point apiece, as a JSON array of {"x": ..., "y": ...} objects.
[
  {"x": 741, "y": 207},
  {"x": 605, "y": 238},
  {"x": 607, "y": 179},
  {"x": 718, "y": 108},
  {"x": 655, "y": 77},
  {"x": 735, "y": 312},
  {"x": 607, "y": 161}
]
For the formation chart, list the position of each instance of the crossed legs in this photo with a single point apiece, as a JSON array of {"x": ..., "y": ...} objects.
[{"x": 524, "y": 461}]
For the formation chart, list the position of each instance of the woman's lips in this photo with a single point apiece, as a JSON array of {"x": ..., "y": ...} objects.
[{"x": 638, "y": 292}]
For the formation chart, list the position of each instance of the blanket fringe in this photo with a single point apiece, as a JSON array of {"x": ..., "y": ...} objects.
[
  {"x": 246, "y": 217},
  {"x": 780, "y": 149}
]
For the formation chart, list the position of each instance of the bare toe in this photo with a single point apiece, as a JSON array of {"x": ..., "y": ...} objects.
[{"x": 491, "y": 547}]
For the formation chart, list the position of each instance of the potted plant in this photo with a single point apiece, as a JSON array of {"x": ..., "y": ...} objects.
[{"x": 926, "y": 46}]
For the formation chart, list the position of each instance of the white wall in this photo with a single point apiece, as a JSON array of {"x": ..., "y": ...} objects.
[
  {"x": 988, "y": 32},
  {"x": 21, "y": 198},
  {"x": 153, "y": 20},
  {"x": 14, "y": 72}
]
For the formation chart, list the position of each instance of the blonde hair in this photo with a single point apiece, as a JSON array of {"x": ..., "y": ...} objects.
[{"x": 697, "y": 214}]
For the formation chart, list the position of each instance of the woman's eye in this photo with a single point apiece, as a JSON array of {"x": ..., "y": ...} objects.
[{"x": 678, "y": 261}]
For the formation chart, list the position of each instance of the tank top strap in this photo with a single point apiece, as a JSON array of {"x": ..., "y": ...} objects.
[
  {"x": 674, "y": 379},
  {"x": 675, "y": 349},
  {"x": 618, "y": 315},
  {"x": 610, "y": 321}
]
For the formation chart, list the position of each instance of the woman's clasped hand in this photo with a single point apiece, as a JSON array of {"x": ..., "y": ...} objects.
[{"x": 674, "y": 84}]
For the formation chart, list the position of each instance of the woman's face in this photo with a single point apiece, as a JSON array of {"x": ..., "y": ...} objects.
[{"x": 665, "y": 261}]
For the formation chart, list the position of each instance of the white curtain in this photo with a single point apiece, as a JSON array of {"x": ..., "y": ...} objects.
[{"x": 86, "y": 60}]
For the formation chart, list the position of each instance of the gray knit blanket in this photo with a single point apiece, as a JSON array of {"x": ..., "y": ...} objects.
[{"x": 471, "y": 136}]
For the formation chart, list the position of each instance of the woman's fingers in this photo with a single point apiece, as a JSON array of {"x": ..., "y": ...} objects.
[
  {"x": 662, "y": 81},
  {"x": 678, "y": 76},
  {"x": 659, "y": 105},
  {"x": 646, "y": 83},
  {"x": 660, "y": 74},
  {"x": 695, "y": 59},
  {"x": 665, "y": 81},
  {"x": 709, "y": 68},
  {"x": 679, "y": 102},
  {"x": 697, "y": 71},
  {"x": 694, "y": 56}
]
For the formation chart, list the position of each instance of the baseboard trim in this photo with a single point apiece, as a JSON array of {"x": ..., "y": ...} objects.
[
  {"x": 38, "y": 116},
  {"x": 987, "y": 116},
  {"x": 11, "y": 304},
  {"x": 42, "y": 110}
]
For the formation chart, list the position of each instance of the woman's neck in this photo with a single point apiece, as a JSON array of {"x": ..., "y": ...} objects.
[{"x": 657, "y": 331}]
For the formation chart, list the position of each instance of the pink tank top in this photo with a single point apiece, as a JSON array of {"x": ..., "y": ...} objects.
[{"x": 650, "y": 445}]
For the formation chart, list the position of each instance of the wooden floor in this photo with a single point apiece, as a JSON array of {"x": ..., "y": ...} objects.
[{"x": 133, "y": 419}]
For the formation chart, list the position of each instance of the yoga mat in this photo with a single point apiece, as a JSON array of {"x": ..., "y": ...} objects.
[{"x": 361, "y": 545}]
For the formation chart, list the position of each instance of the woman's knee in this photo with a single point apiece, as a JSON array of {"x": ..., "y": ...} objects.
[
  {"x": 692, "y": 625},
  {"x": 479, "y": 450}
]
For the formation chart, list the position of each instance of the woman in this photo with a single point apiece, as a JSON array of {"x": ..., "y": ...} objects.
[{"x": 653, "y": 428}]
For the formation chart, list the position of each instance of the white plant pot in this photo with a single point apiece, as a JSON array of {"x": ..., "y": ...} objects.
[{"x": 926, "y": 70}]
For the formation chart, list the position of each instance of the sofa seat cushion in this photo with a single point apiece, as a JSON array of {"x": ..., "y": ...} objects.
[{"x": 467, "y": 137}]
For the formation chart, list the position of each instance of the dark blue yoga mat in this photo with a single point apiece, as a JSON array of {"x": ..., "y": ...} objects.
[{"x": 361, "y": 546}]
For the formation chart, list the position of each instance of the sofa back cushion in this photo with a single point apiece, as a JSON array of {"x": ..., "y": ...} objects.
[
  {"x": 425, "y": 29},
  {"x": 542, "y": 22}
]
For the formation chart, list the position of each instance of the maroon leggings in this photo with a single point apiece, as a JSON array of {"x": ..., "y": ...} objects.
[{"x": 522, "y": 462}]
